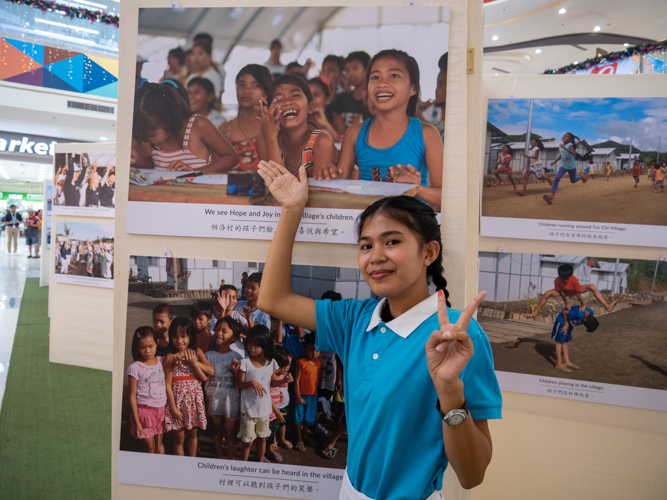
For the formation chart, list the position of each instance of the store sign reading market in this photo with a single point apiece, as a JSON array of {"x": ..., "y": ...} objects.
[{"x": 23, "y": 144}]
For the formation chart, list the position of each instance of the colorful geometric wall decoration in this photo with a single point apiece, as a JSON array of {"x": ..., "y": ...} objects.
[{"x": 50, "y": 67}]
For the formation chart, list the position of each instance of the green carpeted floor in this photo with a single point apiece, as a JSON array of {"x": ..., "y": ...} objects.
[{"x": 55, "y": 420}]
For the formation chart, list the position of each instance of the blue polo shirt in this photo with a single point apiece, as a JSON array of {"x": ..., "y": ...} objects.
[{"x": 396, "y": 449}]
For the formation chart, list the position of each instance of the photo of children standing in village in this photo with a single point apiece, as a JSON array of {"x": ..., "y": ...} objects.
[
  {"x": 578, "y": 318},
  {"x": 212, "y": 376},
  {"x": 364, "y": 115},
  {"x": 579, "y": 162},
  {"x": 84, "y": 254}
]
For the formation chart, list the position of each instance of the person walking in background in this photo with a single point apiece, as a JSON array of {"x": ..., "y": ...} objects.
[
  {"x": 31, "y": 233},
  {"x": 12, "y": 219}
]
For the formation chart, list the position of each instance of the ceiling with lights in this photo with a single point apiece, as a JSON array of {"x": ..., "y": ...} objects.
[{"x": 531, "y": 36}]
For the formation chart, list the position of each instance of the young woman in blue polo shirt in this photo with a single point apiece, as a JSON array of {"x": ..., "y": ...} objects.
[{"x": 419, "y": 380}]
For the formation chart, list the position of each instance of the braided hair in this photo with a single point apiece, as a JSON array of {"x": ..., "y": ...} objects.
[{"x": 421, "y": 220}]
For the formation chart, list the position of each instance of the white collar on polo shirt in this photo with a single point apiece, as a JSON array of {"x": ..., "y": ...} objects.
[{"x": 410, "y": 320}]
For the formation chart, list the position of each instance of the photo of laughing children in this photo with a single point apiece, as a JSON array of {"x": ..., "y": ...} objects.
[
  {"x": 306, "y": 382},
  {"x": 255, "y": 375},
  {"x": 185, "y": 368},
  {"x": 223, "y": 399},
  {"x": 567, "y": 286},
  {"x": 179, "y": 138},
  {"x": 148, "y": 396}
]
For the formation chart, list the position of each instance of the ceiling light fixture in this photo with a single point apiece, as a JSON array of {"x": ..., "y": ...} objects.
[
  {"x": 103, "y": 138},
  {"x": 538, "y": 51},
  {"x": 562, "y": 11},
  {"x": 597, "y": 28},
  {"x": 494, "y": 37}
]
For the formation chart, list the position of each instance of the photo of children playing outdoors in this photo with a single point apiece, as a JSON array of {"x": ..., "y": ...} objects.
[
  {"x": 85, "y": 182},
  {"x": 212, "y": 376},
  {"x": 544, "y": 156},
  {"x": 577, "y": 318},
  {"x": 84, "y": 253},
  {"x": 362, "y": 108}
]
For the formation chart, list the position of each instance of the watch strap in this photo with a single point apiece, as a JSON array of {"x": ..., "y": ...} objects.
[{"x": 444, "y": 416}]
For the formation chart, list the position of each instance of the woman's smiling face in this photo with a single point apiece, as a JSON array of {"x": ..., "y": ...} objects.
[
  {"x": 293, "y": 105},
  {"x": 391, "y": 258}
]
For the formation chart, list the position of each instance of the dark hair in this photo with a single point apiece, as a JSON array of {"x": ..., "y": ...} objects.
[
  {"x": 224, "y": 288},
  {"x": 540, "y": 145},
  {"x": 234, "y": 325},
  {"x": 442, "y": 62},
  {"x": 157, "y": 105},
  {"x": 319, "y": 82},
  {"x": 293, "y": 64},
  {"x": 411, "y": 66},
  {"x": 207, "y": 46},
  {"x": 337, "y": 60},
  {"x": 565, "y": 271},
  {"x": 332, "y": 295},
  {"x": 575, "y": 139},
  {"x": 179, "y": 54},
  {"x": 591, "y": 323},
  {"x": 261, "y": 337},
  {"x": 260, "y": 73},
  {"x": 276, "y": 42},
  {"x": 359, "y": 55},
  {"x": 208, "y": 87},
  {"x": 281, "y": 355},
  {"x": 309, "y": 340},
  {"x": 12, "y": 206},
  {"x": 420, "y": 219},
  {"x": 203, "y": 37},
  {"x": 256, "y": 277},
  {"x": 179, "y": 88},
  {"x": 164, "y": 309},
  {"x": 140, "y": 333},
  {"x": 201, "y": 307},
  {"x": 297, "y": 80},
  {"x": 182, "y": 323}
]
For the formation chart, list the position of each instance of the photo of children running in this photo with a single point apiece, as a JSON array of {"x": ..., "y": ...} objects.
[{"x": 578, "y": 157}]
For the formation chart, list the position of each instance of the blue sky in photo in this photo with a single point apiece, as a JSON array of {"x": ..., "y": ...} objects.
[
  {"x": 593, "y": 120},
  {"x": 83, "y": 231}
]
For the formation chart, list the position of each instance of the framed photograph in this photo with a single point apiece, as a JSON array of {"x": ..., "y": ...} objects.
[
  {"x": 206, "y": 112},
  {"x": 582, "y": 170},
  {"x": 84, "y": 254},
  {"x": 577, "y": 327},
  {"x": 167, "y": 296}
]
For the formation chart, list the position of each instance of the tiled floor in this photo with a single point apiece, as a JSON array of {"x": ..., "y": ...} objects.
[{"x": 14, "y": 269}]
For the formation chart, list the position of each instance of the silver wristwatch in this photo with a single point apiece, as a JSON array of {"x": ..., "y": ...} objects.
[{"x": 453, "y": 417}]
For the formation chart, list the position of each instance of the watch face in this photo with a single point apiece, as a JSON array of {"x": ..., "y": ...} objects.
[{"x": 456, "y": 419}]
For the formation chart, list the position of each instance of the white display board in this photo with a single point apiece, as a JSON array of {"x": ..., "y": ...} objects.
[
  {"x": 81, "y": 316},
  {"x": 44, "y": 263}
]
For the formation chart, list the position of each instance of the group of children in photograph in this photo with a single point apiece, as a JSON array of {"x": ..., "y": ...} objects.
[
  {"x": 568, "y": 165},
  {"x": 230, "y": 367},
  {"x": 97, "y": 257},
  {"x": 370, "y": 106},
  {"x": 80, "y": 183}
]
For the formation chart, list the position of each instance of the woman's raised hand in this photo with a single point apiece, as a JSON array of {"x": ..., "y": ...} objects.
[
  {"x": 289, "y": 190},
  {"x": 449, "y": 349}
]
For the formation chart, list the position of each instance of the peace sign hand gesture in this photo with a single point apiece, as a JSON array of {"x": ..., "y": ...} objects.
[{"x": 449, "y": 349}]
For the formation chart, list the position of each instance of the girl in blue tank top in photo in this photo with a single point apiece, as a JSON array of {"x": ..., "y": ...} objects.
[{"x": 393, "y": 146}]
